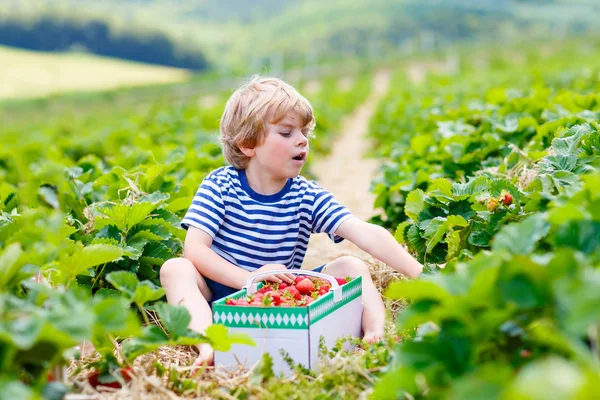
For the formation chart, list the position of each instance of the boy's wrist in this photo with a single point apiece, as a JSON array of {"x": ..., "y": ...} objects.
[{"x": 242, "y": 278}]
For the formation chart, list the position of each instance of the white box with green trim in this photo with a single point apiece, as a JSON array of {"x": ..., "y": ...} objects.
[{"x": 296, "y": 330}]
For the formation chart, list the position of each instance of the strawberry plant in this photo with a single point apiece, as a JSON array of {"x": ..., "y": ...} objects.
[{"x": 507, "y": 313}]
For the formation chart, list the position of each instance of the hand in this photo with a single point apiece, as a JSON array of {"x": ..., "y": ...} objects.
[{"x": 277, "y": 278}]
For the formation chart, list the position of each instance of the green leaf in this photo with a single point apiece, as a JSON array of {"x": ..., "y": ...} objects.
[
  {"x": 498, "y": 186},
  {"x": 114, "y": 317},
  {"x": 579, "y": 300},
  {"x": 396, "y": 383},
  {"x": 581, "y": 235},
  {"x": 555, "y": 163},
  {"x": 175, "y": 318},
  {"x": 453, "y": 242},
  {"x": 550, "y": 378},
  {"x": 414, "y": 204},
  {"x": 148, "y": 235},
  {"x": 521, "y": 238},
  {"x": 151, "y": 339},
  {"x": 25, "y": 330},
  {"x": 263, "y": 371},
  {"x": 442, "y": 226},
  {"x": 158, "y": 251},
  {"x": 474, "y": 186},
  {"x": 441, "y": 184},
  {"x": 13, "y": 389},
  {"x": 222, "y": 340},
  {"x": 414, "y": 240},
  {"x": 400, "y": 231},
  {"x": 569, "y": 143},
  {"x": 123, "y": 216},
  {"x": 153, "y": 178},
  {"x": 420, "y": 144},
  {"x": 9, "y": 264},
  {"x": 181, "y": 203},
  {"x": 487, "y": 381},
  {"x": 49, "y": 195},
  {"x": 520, "y": 290},
  {"x": 124, "y": 281},
  {"x": 416, "y": 290},
  {"x": 145, "y": 292},
  {"x": 98, "y": 254},
  {"x": 560, "y": 215}
]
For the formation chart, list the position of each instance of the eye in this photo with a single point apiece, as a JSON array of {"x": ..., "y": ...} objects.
[{"x": 285, "y": 134}]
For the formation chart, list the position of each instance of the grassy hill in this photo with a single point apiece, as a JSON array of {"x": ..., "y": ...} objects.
[
  {"x": 33, "y": 74},
  {"x": 239, "y": 35}
]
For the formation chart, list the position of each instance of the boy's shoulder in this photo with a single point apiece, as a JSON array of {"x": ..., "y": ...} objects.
[
  {"x": 223, "y": 174},
  {"x": 301, "y": 183}
]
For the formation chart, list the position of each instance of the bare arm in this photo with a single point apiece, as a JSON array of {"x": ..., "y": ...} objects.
[
  {"x": 213, "y": 266},
  {"x": 379, "y": 243},
  {"x": 210, "y": 264}
]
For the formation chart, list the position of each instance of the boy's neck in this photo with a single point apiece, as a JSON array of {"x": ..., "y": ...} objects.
[{"x": 262, "y": 182}]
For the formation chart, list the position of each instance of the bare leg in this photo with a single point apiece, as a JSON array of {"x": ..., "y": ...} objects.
[
  {"x": 373, "y": 317},
  {"x": 184, "y": 285}
]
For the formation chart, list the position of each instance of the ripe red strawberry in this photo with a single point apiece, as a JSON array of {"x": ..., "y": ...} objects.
[
  {"x": 272, "y": 299},
  {"x": 305, "y": 286},
  {"x": 341, "y": 281},
  {"x": 323, "y": 291},
  {"x": 282, "y": 285},
  {"x": 293, "y": 292},
  {"x": 299, "y": 279},
  {"x": 507, "y": 199},
  {"x": 231, "y": 302},
  {"x": 127, "y": 373},
  {"x": 94, "y": 378}
]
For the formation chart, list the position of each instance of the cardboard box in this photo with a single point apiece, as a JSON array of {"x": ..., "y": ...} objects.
[{"x": 297, "y": 330}]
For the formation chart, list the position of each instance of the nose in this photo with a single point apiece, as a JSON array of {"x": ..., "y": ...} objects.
[{"x": 302, "y": 140}]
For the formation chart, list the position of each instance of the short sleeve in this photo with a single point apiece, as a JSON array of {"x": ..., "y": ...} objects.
[
  {"x": 207, "y": 209},
  {"x": 328, "y": 215}
]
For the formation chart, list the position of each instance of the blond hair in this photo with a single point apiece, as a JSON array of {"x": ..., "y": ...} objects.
[{"x": 260, "y": 101}]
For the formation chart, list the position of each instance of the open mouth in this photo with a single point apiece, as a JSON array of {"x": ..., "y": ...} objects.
[{"x": 300, "y": 157}]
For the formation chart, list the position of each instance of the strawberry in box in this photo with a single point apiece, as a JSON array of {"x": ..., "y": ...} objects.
[{"x": 290, "y": 317}]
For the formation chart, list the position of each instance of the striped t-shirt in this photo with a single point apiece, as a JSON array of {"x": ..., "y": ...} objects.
[{"x": 251, "y": 230}]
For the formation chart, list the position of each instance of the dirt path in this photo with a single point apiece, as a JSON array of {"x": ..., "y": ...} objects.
[{"x": 347, "y": 174}]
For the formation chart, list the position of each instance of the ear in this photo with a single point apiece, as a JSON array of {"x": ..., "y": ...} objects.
[{"x": 248, "y": 151}]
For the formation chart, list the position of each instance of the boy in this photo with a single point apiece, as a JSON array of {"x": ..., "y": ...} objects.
[{"x": 257, "y": 214}]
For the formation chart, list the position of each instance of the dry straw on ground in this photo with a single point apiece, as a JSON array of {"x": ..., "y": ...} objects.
[{"x": 212, "y": 382}]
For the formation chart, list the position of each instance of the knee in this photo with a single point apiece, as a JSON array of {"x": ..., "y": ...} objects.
[
  {"x": 177, "y": 268},
  {"x": 353, "y": 266}
]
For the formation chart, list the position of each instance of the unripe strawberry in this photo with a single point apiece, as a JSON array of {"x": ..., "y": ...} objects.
[
  {"x": 507, "y": 199},
  {"x": 492, "y": 205}
]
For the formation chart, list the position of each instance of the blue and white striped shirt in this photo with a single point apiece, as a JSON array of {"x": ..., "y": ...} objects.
[{"x": 251, "y": 230}]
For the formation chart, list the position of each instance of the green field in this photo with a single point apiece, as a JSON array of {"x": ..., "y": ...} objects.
[
  {"x": 489, "y": 175},
  {"x": 27, "y": 74}
]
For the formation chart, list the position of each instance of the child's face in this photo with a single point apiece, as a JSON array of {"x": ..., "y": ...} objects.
[{"x": 284, "y": 150}]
